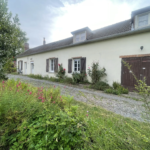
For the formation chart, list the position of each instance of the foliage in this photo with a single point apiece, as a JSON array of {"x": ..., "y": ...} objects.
[
  {"x": 117, "y": 89},
  {"x": 143, "y": 90},
  {"x": 61, "y": 72},
  {"x": 116, "y": 85},
  {"x": 95, "y": 73},
  {"x": 12, "y": 38},
  {"x": 68, "y": 80},
  {"x": 9, "y": 66},
  {"x": 79, "y": 77},
  {"x": 101, "y": 85},
  {"x": 37, "y": 118},
  {"x": 36, "y": 76}
]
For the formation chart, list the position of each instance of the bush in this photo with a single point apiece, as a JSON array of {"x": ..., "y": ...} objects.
[
  {"x": 68, "y": 80},
  {"x": 122, "y": 90},
  {"x": 37, "y": 118},
  {"x": 37, "y": 76},
  {"x": 109, "y": 90},
  {"x": 61, "y": 72},
  {"x": 116, "y": 85},
  {"x": 95, "y": 73},
  {"x": 117, "y": 89},
  {"x": 101, "y": 85},
  {"x": 79, "y": 77}
]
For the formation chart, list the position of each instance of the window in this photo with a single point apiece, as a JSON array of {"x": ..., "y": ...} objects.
[
  {"x": 143, "y": 20},
  {"x": 76, "y": 65},
  {"x": 80, "y": 37},
  {"x": 51, "y": 65}
]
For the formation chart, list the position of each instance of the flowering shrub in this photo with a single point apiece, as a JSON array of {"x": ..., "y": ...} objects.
[
  {"x": 38, "y": 118},
  {"x": 95, "y": 73},
  {"x": 61, "y": 72}
]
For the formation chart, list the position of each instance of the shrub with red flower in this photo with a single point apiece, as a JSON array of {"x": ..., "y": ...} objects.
[{"x": 61, "y": 72}]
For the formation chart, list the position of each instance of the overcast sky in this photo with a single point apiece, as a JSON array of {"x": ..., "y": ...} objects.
[{"x": 55, "y": 19}]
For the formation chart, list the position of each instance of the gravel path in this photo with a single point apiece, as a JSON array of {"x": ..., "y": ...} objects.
[{"x": 120, "y": 105}]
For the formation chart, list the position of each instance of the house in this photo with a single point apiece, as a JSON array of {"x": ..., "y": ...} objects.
[{"x": 128, "y": 40}]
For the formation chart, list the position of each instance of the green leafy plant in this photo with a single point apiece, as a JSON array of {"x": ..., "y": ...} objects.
[
  {"x": 95, "y": 73},
  {"x": 79, "y": 77},
  {"x": 116, "y": 85},
  {"x": 109, "y": 90},
  {"x": 68, "y": 80},
  {"x": 36, "y": 76},
  {"x": 61, "y": 72},
  {"x": 101, "y": 85},
  {"x": 38, "y": 118}
]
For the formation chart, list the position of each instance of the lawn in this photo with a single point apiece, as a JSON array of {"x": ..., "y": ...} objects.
[{"x": 38, "y": 118}]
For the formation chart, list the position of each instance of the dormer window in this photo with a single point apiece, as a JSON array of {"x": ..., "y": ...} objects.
[
  {"x": 81, "y": 34},
  {"x": 80, "y": 37},
  {"x": 142, "y": 20}
]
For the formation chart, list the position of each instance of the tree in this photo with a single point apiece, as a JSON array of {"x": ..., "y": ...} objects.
[{"x": 12, "y": 38}]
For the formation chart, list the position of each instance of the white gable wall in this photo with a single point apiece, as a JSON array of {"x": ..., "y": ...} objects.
[{"x": 105, "y": 52}]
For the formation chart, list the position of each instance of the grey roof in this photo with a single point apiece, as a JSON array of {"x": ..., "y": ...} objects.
[{"x": 115, "y": 29}]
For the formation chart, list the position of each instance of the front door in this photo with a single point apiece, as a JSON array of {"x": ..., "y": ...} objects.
[
  {"x": 140, "y": 67},
  {"x": 32, "y": 68}
]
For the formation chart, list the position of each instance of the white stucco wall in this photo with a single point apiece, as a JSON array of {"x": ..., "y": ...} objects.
[{"x": 105, "y": 52}]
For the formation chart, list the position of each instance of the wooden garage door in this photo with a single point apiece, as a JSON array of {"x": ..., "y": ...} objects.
[{"x": 140, "y": 67}]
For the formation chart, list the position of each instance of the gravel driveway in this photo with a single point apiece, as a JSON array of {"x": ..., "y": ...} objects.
[{"x": 120, "y": 105}]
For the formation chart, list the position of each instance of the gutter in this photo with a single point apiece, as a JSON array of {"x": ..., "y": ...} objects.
[{"x": 131, "y": 32}]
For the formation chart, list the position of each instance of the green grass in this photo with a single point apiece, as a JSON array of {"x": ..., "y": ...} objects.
[{"x": 110, "y": 131}]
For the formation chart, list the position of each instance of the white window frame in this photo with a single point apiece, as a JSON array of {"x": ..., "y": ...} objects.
[
  {"x": 142, "y": 15},
  {"x": 50, "y": 62},
  {"x": 80, "y": 37},
  {"x": 78, "y": 68}
]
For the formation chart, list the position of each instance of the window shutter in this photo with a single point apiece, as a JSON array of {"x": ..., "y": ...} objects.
[
  {"x": 83, "y": 64},
  {"x": 56, "y": 64},
  {"x": 18, "y": 64},
  {"x": 69, "y": 65},
  {"x": 21, "y": 65},
  {"x": 47, "y": 65}
]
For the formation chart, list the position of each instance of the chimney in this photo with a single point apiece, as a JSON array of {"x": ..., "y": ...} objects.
[
  {"x": 44, "y": 42},
  {"x": 26, "y": 46}
]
